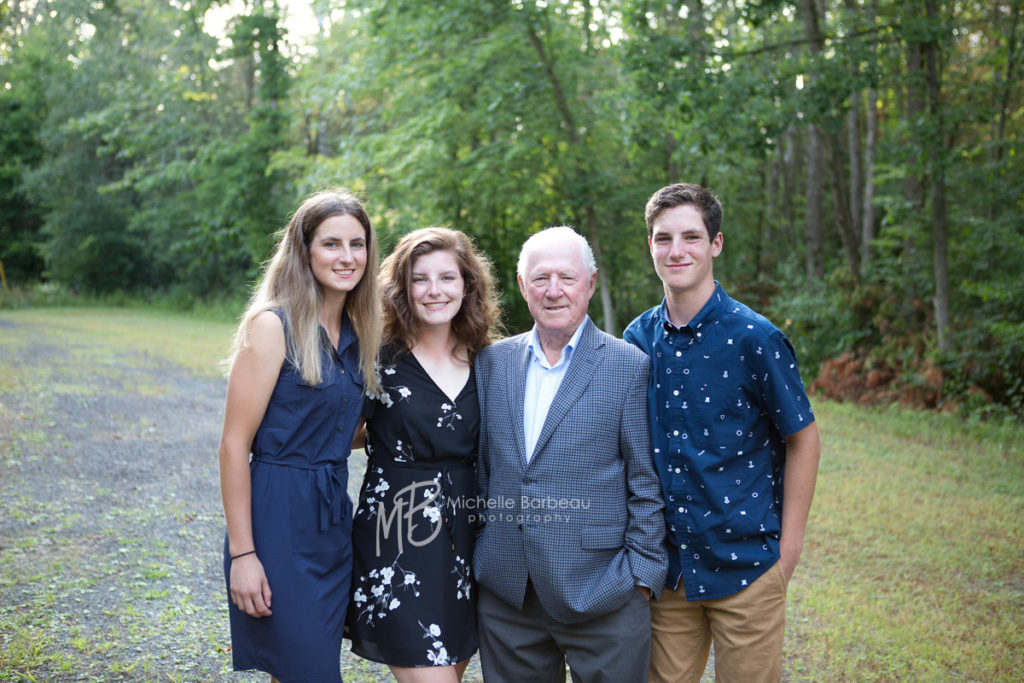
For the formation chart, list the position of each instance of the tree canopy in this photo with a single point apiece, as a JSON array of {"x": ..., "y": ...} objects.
[{"x": 865, "y": 151}]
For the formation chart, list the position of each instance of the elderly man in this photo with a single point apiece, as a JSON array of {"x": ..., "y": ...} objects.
[{"x": 572, "y": 544}]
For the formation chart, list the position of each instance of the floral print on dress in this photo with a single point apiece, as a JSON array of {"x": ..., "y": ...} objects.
[
  {"x": 464, "y": 581},
  {"x": 384, "y": 397},
  {"x": 373, "y": 497},
  {"x": 434, "y": 501},
  {"x": 381, "y": 586},
  {"x": 438, "y": 653},
  {"x": 449, "y": 414}
]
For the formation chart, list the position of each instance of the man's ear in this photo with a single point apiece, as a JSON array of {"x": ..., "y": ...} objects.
[{"x": 717, "y": 243}]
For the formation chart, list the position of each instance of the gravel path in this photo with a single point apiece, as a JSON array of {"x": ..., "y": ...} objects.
[{"x": 110, "y": 519}]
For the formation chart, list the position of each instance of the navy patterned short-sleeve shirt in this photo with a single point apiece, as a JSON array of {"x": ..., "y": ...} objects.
[{"x": 724, "y": 393}]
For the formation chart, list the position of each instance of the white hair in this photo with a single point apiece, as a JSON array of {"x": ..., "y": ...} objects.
[{"x": 549, "y": 235}]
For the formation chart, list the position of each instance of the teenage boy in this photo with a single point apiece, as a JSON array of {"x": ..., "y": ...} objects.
[{"x": 736, "y": 448}]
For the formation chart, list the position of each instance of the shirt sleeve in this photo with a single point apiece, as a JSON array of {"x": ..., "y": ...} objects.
[
  {"x": 782, "y": 389},
  {"x": 634, "y": 335}
]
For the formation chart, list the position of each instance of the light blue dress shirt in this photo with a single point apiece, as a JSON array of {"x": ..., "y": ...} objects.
[{"x": 542, "y": 382}]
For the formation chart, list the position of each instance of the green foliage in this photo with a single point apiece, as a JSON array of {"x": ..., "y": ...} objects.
[
  {"x": 142, "y": 154},
  {"x": 19, "y": 149},
  {"x": 822, "y": 321}
]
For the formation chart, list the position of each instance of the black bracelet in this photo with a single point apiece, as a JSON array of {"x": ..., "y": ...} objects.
[{"x": 235, "y": 557}]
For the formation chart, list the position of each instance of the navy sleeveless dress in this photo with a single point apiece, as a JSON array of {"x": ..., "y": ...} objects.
[{"x": 301, "y": 520}]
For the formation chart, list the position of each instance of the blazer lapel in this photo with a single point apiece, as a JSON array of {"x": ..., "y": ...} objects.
[
  {"x": 584, "y": 362},
  {"x": 517, "y": 390}
]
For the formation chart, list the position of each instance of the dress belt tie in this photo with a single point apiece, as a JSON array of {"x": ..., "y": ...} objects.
[
  {"x": 444, "y": 481},
  {"x": 329, "y": 482}
]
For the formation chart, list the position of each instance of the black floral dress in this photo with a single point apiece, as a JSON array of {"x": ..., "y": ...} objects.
[{"x": 413, "y": 601}]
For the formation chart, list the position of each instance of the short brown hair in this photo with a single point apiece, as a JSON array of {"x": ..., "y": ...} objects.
[{"x": 681, "y": 194}]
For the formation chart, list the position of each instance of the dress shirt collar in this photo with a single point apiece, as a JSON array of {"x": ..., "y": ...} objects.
[
  {"x": 566, "y": 357},
  {"x": 711, "y": 310}
]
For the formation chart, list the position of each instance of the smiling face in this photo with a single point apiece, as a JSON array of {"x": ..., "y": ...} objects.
[
  {"x": 436, "y": 288},
  {"x": 557, "y": 287},
  {"x": 682, "y": 252},
  {"x": 337, "y": 255}
]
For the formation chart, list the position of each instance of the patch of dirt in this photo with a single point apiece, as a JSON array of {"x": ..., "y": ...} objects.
[{"x": 853, "y": 378}]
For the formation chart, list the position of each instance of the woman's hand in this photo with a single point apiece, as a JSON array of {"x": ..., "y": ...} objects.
[{"x": 250, "y": 590}]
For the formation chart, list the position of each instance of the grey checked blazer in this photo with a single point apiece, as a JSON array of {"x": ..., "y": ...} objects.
[{"x": 584, "y": 518}]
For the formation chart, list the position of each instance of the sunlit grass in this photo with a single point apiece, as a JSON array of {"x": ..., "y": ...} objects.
[
  {"x": 913, "y": 567},
  {"x": 101, "y": 334}
]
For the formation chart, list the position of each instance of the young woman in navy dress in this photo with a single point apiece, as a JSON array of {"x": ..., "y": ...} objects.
[
  {"x": 303, "y": 356},
  {"x": 413, "y": 603}
]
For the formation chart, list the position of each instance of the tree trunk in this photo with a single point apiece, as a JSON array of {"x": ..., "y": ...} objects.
[
  {"x": 695, "y": 28},
  {"x": 867, "y": 226},
  {"x": 562, "y": 102},
  {"x": 773, "y": 199},
  {"x": 788, "y": 163},
  {"x": 671, "y": 169},
  {"x": 868, "y": 215},
  {"x": 913, "y": 187},
  {"x": 840, "y": 198},
  {"x": 1009, "y": 82},
  {"x": 853, "y": 137},
  {"x": 854, "y": 144},
  {"x": 815, "y": 154},
  {"x": 936, "y": 153},
  {"x": 815, "y": 259},
  {"x": 604, "y": 287}
]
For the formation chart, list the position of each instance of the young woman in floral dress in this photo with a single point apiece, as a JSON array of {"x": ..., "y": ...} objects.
[{"x": 413, "y": 602}]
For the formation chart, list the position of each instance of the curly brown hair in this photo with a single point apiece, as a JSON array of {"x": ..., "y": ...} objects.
[{"x": 475, "y": 325}]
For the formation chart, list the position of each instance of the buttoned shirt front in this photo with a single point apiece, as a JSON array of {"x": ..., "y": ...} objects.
[
  {"x": 542, "y": 382},
  {"x": 724, "y": 393}
]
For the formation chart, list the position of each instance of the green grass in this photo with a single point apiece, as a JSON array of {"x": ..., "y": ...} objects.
[
  {"x": 196, "y": 343},
  {"x": 913, "y": 567}
]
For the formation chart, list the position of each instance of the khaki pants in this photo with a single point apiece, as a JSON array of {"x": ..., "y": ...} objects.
[{"x": 747, "y": 629}]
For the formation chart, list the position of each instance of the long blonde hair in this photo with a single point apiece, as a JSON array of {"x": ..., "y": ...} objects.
[{"x": 288, "y": 284}]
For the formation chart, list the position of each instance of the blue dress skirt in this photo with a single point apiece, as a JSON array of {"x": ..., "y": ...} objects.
[{"x": 301, "y": 521}]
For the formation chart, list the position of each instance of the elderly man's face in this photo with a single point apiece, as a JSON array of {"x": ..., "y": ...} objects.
[{"x": 557, "y": 287}]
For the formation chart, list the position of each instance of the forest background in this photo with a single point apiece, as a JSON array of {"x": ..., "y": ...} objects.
[{"x": 866, "y": 153}]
